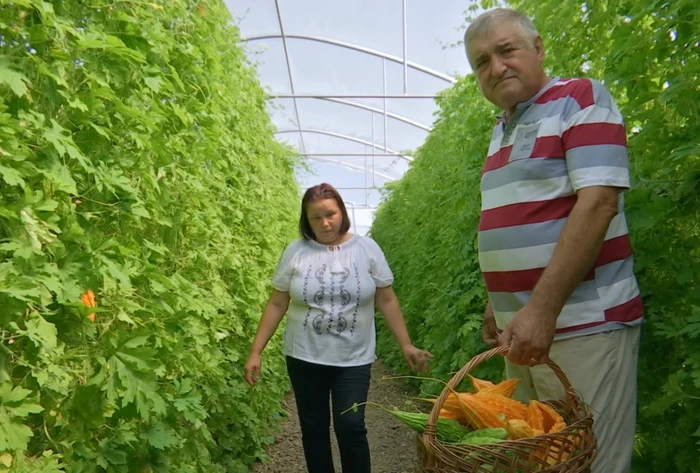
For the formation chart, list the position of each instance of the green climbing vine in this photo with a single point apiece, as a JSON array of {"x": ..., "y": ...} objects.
[
  {"x": 137, "y": 161},
  {"x": 647, "y": 53}
]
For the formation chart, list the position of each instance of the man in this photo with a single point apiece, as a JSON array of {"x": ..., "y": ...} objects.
[{"x": 553, "y": 242}]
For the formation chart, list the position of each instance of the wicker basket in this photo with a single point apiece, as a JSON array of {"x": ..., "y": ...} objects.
[{"x": 570, "y": 450}]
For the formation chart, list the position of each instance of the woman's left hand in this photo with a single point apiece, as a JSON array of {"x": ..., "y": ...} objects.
[{"x": 416, "y": 358}]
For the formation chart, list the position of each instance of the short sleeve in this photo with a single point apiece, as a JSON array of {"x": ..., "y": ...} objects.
[
  {"x": 594, "y": 140},
  {"x": 285, "y": 267},
  {"x": 378, "y": 265}
]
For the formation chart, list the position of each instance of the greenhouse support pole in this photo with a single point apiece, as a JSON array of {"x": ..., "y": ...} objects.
[
  {"x": 289, "y": 73},
  {"x": 385, "y": 110},
  {"x": 374, "y": 181},
  {"x": 405, "y": 56},
  {"x": 354, "y": 220},
  {"x": 366, "y": 176}
]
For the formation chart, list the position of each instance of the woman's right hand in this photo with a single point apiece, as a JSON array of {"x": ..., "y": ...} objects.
[{"x": 252, "y": 369}]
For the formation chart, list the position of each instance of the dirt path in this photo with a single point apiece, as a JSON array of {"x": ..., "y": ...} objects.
[{"x": 392, "y": 445}]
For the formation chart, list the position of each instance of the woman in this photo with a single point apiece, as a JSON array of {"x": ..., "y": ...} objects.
[{"x": 328, "y": 283}]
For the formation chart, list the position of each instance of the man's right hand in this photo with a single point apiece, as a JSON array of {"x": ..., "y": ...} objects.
[{"x": 488, "y": 329}]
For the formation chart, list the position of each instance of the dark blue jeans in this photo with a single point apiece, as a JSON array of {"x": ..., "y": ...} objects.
[{"x": 313, "y": 385}]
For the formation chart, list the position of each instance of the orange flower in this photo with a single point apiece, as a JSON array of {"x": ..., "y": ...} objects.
[{"x": 88, "y": 298}]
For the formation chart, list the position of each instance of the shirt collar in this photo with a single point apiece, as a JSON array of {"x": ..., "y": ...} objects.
[{"x": 522, "y": 106}]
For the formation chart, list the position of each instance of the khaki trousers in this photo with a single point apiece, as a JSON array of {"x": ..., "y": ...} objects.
[{"x": 602, "y": 368}]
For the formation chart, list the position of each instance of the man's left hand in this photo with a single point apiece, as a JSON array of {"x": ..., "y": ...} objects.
[{"x": 530, "y": 334}]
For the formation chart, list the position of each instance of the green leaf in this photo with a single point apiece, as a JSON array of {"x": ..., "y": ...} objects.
[
  {"x": 8, "y": 214},
  {"x": 160, "y": 436},
  {"x": 59, "y": 77},
  {"x": 109, "y": 43},
  {"x": 112, "y": 269},
  {"x": 37, "y": 230},
  {"x": 8, "y": 395},
  {"x": 692, "y": 329},
  {"x": 124, "y": 317},
  {"x": 77, "y": 104},
  {"x": 23, "y": 410},
  {"x": 15, "y": 80},
  {"x": 109, "y": 455},
  {"x": 47, "y": 206},
  {"x": 63, "y": 142},
  {"x": 160, "y": 249},
  {"x": 11, "y": 176},
  {"x": 140, "y": 211},
  {"x": 53, "y": 284},
  {"x": 100, "y": 130},
  {"x": 41, "y": 332},
  {"x": 22, "y": 290},
  {"x": 53, "y": 377},
  {"x": 61, "y": 177},
  {"x": 137, "y": 341},
  {"x": 153, "y": 83},
  {"x": 19, "y": 248},
  {"x": 13, "y": 435}
]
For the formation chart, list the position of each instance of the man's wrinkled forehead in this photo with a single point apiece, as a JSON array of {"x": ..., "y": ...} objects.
[{"x": 488, "y": 38}]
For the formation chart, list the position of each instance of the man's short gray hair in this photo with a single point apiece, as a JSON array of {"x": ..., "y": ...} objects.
[{"x": 485, "y": 22}]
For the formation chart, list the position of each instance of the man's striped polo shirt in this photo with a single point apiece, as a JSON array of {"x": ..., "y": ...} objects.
[{"x": 569, "y": 136}]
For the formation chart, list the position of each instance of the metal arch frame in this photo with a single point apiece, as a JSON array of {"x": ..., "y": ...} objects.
[
  {"x": 321, "y": 157},
  {"x": 282, "y": 95},
  {"x": 350, "y": 166},
  {"x": 348, "y": 138},
  {"x": 395, "y": 116},
  {"x": 351, "y": 154},
  {"x": 362, "y": 49},
  {"x": 339, "y": 98},
  {"x": 352, "y": 206},
  {"x": 362, "y": 106}
]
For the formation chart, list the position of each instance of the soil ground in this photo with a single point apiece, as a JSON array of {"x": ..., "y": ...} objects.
[{"x": 392, "y": 444}]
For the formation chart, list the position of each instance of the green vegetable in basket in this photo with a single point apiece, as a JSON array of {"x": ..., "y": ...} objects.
[
  {"x": 448, "y": 430},
  {"x": 480, "y": 440},
  {"x": 484, "y": 436}
]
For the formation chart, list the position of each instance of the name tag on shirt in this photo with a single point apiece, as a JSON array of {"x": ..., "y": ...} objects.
[{"x": 524, "y": 141}]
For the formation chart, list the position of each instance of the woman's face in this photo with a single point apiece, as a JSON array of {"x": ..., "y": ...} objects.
[{"x": 325, "y": 219}]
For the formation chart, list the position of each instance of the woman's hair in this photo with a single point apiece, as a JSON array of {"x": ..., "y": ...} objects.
[{"x": 313, "y": 194}]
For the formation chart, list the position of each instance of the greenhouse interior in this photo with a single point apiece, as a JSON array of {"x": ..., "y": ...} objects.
[
  {"x": 514, "y": 287},
  {"x": 352, "y": 86}
]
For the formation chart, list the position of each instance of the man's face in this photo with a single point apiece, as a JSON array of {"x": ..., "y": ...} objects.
[{"x": 508, "y": 66}]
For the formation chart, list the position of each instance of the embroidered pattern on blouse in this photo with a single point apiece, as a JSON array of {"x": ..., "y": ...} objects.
[
  {"x": 319, "y": 296},
  {"x": 321, "y": 273},
  {"x": 318, "y": 320},
  {"x": 330, "y": 320},
  {"x": 357, "y": 301},
  {"x": 345, "y": 296},
  {"x": 305, "y": 288},
  {"x": 345, "y": 299}
]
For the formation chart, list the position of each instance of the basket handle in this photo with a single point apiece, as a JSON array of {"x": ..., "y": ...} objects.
[{"x": 431, "y": 430}]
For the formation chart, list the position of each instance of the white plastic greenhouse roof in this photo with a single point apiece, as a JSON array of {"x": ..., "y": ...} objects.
[{"x": 353, "y": 83}]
